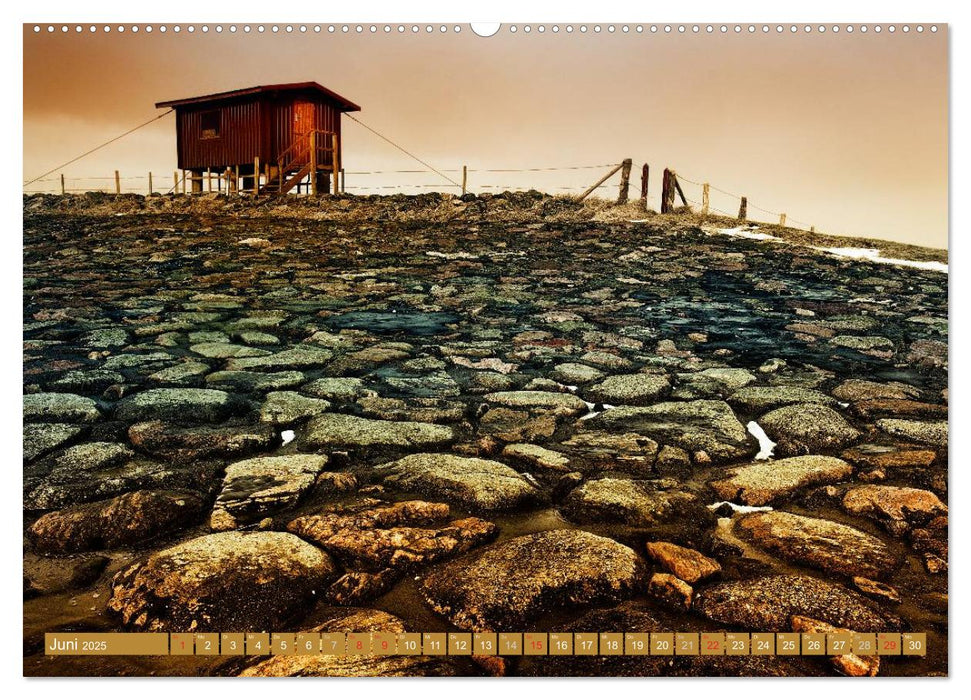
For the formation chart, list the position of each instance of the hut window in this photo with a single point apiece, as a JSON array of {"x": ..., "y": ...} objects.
[{"x": 210, "y": 125}]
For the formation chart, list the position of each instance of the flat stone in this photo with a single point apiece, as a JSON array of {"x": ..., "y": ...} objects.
[
  {"x": 758, "y": 399},
  {"x": 200, "y": 442},
  {"x": 629, "y": 389},
  {"x": 760, "y": 483},
  {"x": 860, "y": 390},
  {"x": 888, "y": 457},
  {"x": 337, "y": 389},
  {"x": 628, "y": 502},
  {"x": 507, "y": 585},
  {"x": 927, "y": 432},
  {"x": 398, "y": 536},
  {"x": 92, "y": 456},
  {"x": 223, "y": 351},
  {"x": 687, "y": 564},
  {"x": 255, "y": 382},
  {"x": 133, "y": 518},
  {"x": 223, "y": 581},
  {"x": 183, "y": 374},
  {"x": 255, "y": 488},
  {"x": 177, "y": 405},
  {"x": 469, "y": 481},
  {"x": 897, "y": 507},
  {"x": 289, "y": 407},
  {"x": 92, "y": 381},
  {"x": 807, "y": 429},
  {"x": 712, "y": 383},
  {"x": 542, "y": 401},
  {"x": 537, "y": 457},
  {"x": 768, "y": 603},
  {"x": 574, "y": 373},
  {"x": 41, "y": 438},
  {"x": 708, "y": 426},
  {"x": 298, "y": 357},
  {"x": 337, "y": 430},
  {"x": 599, "y": 450},
  {"x": 59, "y": 408},
  {"x": 819, "y": 543}
]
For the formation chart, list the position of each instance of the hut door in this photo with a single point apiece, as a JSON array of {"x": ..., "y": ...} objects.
[{"x": 303, "y": 119}]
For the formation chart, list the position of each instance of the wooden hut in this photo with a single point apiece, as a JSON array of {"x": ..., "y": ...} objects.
[{"x": 281, "y": 135}]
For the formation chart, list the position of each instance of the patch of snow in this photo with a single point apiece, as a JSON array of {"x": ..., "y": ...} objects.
[
  {"x": 287, "y": 436},
  {"x": 461, "y": 255},
  {"x": 742, "y": 232},
  {"x": 588, "y": 416},
  {"x": 570, "y": 387},
  {"x": 873, "y": 255},
  {"x": 765, "y": 444},
  {"x": 739, "y": 509}
]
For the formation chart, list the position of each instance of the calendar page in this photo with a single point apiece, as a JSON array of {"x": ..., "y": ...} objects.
[{"x": 524, "y": 349}]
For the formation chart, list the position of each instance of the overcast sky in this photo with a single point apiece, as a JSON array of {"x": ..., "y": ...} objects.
[{"x": 844, "y": 132}]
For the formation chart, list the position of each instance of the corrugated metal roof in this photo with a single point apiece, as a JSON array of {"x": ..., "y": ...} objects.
[{"x": 345, "y": 104}]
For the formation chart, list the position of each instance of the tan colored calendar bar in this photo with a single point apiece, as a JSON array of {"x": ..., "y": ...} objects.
[
  {"x": 106, "y": 644},
  {"x": 487, "y": 644}
]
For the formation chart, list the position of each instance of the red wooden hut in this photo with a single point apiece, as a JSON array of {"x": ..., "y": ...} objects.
[{"x": 281, "y": 134}]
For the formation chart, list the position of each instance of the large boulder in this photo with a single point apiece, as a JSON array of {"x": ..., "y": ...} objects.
[
  {"x": 927, "y": 432},
  {"x": 507, "y": 585},
  {"x": 633, "y": 503},
  {"x": 694, "y": 426},
  {"x": 768, "y": 603},
  {"x": 759, "y": 483},
  {"x": 337, "y": 430},
  {"x": 898, "y": 508},
  {"x": 131, "y": 519},
  {"x": 224, "y": 581},
  {"x": 260, "y": 486},
  {"x": 819, "y": 543},
  {"x": 469, "y": 481},
  {"x": 177, "y": 405},
  {"x": 808, "y": 428}
]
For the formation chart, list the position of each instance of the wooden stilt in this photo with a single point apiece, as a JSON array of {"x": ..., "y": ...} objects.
[
  {"x": 256, "y": 176},
  {"x": 336, "y": 162},
  {"x": 313, "y": 163}
]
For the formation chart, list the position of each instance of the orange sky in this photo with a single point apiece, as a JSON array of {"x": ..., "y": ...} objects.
[{"x": 844, "y": 132}]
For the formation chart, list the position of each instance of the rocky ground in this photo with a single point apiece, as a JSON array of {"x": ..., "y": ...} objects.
[{"x": 509, "y": 413}]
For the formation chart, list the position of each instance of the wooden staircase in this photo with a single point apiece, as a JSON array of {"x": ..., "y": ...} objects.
[{"x": 307, "y": 155}]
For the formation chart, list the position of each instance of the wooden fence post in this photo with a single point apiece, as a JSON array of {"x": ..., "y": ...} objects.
[
  {"x": 63, "y": 191},
  {"x": 812, "y": 229},
  {"x": 175, "y": 181},
  {"x": 677, "y": 189},
  {"x": 782, "y": 219},
  {"x": 313, "y": 163},
  {"x": 624, "y": 181},
  {"x": 645, "y": 176},
  {"x": 117, "y": 183},
  {"x": 705, "y": 200},
  {"x": 743, "y": 209},
  {"x": 343, "y": 181},
  {"x": 667, "y": 192},
  {"x": 150, "y": 182},
  {"x": 256, "y": 176},
  {"x": 598, "y": 183},
  {"x": 465, "y": 178},
  {"x": 336, "y": 162},
  {"x": 208, "y": 180}
]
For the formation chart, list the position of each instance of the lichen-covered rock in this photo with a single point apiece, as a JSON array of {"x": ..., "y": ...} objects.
[
  {"x": 897, "y": 507},
  {"x": 130, "y": 519},
  {"x": 708, "y": 426},
  {"x": 41, "y": 438},
  {"x": 759, "y": 483},
  {"x": 200, "y": 442},
  {"x": 819, "y": 543},
  {"x": 336, "y": 430},
  {"x": 228, "y": 580},
  {"x": 629, "y": 389},
  {"x": 808, "y": 428},
  {"x": 505, "y": 586},
  {"x": 60, "y": 408},
  {"x": 255, "y": 488},
  {"x": 758, "y": 399},
  {"x": 289, "y": 407},
  {"x": 631, "y": 503},
  {"x": 539, "y": 401},
  {"x": 537, "y": 457},
  {"x": 469, "y": 481},
  {"x": 768, "y": 603},
  {"x": 927, "y": 432},
  {"x": 177, "y": 406}
]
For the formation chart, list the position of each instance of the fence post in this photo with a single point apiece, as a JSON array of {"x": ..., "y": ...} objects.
[
  {"x": 782, "y": 219},
  {"x": 812, "y": 229},
  {"x": 465, "y": 178},
  {"x": 668, "y": 186},
  {"x": 343, "y": 181},
  {"x": 117, "y": 183},
  {"x": 313, "y": 163},
  {"x": 336, "y": 162},
  {"x": 677, "y": 189},
  {"x": 645, "y": 175},
  {"x": 705, "y": 201},
  {"x": 624, "y": 181},
  {"x": 743, "y": 209},
  {"x": 599, "y": 182},
  {"x": 150, "y": 182},
  {"x": 175, "y": 181},
  {"x": 63, "y": 191},
  {"x": 208, "y": 180},
  {"x": 256, "y": 176}
]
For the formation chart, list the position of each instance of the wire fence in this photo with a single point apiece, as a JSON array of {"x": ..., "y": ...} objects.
[{"x": 730, "y": 204}]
